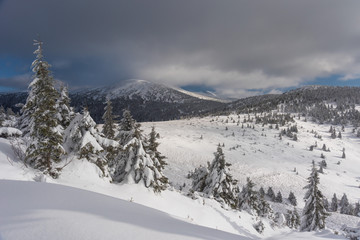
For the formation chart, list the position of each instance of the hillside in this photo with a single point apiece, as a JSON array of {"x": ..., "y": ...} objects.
[{"x": 254, "y": 150}]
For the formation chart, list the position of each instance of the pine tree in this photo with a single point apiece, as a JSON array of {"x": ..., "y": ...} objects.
[
  {"x": 248, "y": 197},
  {"x": 216, "y": 181},
  {"x": 109, "y": 122},
  {"x": 292, "y": 199},
  {"x": 292, "y": 219},
  {"x": 270, "y": 193},
  {"x": 345, "y": 206},
  {"x": 334, "y": 203},
  {"x": 278, "y": 197},
  {"x": 314, "y": 213},
  {"x": 357, "y": 209},
  {"x": 40, "y": 119},
  {"x": 152, "y": 146},
  {"x": 65, "y": 112},
  {"x": 135, "y": 164},
  {"x": 84, "y": 141},
  {"x": 261, "y": 192}
]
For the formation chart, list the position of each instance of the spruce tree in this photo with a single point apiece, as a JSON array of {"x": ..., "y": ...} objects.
[
  {"x": 261, "y": 192},
  {"x": 109, "y": 122},
  {"x": 83, "y": 140},
  {"x": 65, "y": 112},
  {"x": 40, "y": 119},
  {"x": 270, "y": 193},
  {"x": 216, "y": 181},
  {"x": 292, "y": 199},
  {"x": 314, "y": 213},
  {"x": 248, "y": 197},
  {"x": 278, "y": 197},
  {"x": 135, "y": 163},
  {"x": 334, "y": 203},
  {"x": 151, "y": 147}
]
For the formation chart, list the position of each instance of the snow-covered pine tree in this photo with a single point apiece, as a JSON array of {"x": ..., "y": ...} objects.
[
  {"x": 39, "y": 118},
  {"x": 270, "y": 193},
  {"x": 84, "y": 141},
  {"x": 314, "y": 213},
  {"x": 357, "y": 209},
  {"x": 345, "y": 206},
  {"x": 216, "y": 181},
  {"x": 261, "y": 192},
  {"x": 292, "y": 219},
  {"x": 292, "y": 199},
  {"x": 334, "y": 203},
  {"x": 278, "y": 197},
  {"x": 198, "y": 177},
  {"x": 248, "y": 198},
  {"x": 134, "y": 163},
  {"x": 65, "y": 112},
  {"x": 151, "y": 147},
  {"x": 109, "y": 122}
]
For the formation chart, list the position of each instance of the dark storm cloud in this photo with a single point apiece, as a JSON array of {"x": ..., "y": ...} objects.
[{"x": 229, "y": 45}]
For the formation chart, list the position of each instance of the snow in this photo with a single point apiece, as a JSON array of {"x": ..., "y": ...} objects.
[
  {"x": 10, "y": 131},
  {"x": 131, "y": 211},
  {"x": 58, "y": 212}
]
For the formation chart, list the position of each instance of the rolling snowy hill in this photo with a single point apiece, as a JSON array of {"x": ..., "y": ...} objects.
[{"x": 254, "y": 151}]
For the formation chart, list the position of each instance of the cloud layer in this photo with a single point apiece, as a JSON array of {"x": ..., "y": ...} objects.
[{"x": 229, "y": 45}]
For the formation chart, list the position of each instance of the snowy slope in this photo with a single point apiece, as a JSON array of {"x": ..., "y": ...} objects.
[
  {"x": 31, "y": 210},
  {"x": 257, "y": 153}
]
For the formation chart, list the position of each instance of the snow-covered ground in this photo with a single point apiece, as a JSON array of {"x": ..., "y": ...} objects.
[{"x": 48, "y": 211}]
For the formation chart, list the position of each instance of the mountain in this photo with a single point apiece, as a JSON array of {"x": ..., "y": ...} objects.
[
  {"x": 147, "y": 101},
  {"x": 156, "y": 102}
]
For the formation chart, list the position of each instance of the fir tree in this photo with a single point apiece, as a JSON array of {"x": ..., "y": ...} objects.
[
  {"x": 292, "y": 219},
  {"x": 278, "y": 197},
  {"x": 248, "y": 197},
  {"x": 65, "y": 112},
  {"x": 334, "y": 203},
  {"x": 152, "y": 146},
  {"x": 357, "y": 209},
  {"x": 216, "y": 181},
  {"x": 345, "y": 206},
  {"x": 270, "y": 193},
  {"x": 109, "y": 122},
  {"x": 292, "y": 199},
  {"x": 134, "y": 163},
  {"x": 314, "y": 213},
  {"x": 261, "y": 192},
  {"x": 40, "y": 121}
]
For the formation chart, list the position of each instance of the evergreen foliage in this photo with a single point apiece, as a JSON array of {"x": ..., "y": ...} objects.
[
  {"x": 292, "y": 199},
  {"x": 252, "y": 201},
  {"x": 334, "y": 203},
  {"x": 135, "y": 163},
  {"x": 270, "y": 193},
  {"x": 278, "y": 197},
  {"x": 216, "y": 181},
  {"x": 39, "y": 119},
  {"x": 65, "y": 112},
  {"x": 314, "y": 213},
  {"x": 109, "y": 122},
  {"x": 292, "y": 219}
]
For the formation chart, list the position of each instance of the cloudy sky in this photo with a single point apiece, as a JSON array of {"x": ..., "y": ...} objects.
[{"x": 234, "y": 47}]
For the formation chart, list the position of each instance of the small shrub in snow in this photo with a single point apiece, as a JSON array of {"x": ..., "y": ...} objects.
[
  {"x": 352, "y": 233},
  {"x": 259, "y": 227}
]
